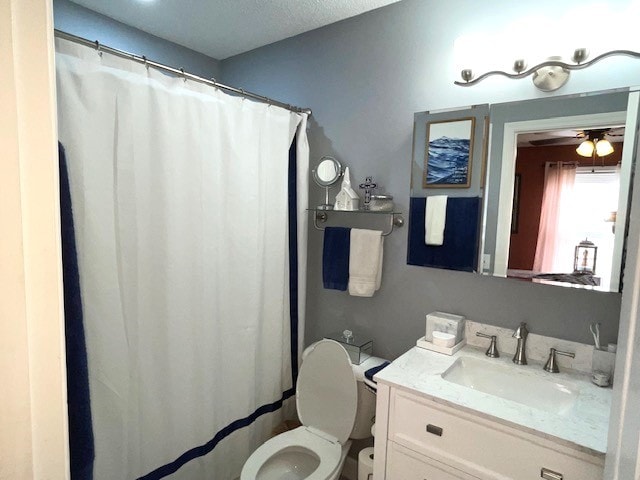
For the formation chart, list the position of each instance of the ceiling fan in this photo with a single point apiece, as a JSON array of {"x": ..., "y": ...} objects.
[{"x": 563, "y": 136}]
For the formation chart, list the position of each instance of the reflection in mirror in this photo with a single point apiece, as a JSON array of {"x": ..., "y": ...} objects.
[
  {"x": 560, "y": 200},
  {"x": 447, "y": 178},
  {"x": 327, "y": 173},
  {"x": 556, "y": 203}
]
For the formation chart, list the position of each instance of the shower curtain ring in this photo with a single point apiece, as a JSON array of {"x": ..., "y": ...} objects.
[
  {"x": 98, "y": 47},
  {"x": 146, "y": 62},
  {"x": 184, "y": 77}
]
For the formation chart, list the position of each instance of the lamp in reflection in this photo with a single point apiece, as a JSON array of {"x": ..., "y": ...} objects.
[
  {"x": 611, "y": 218},
  {"x": 585, "y": 256}
]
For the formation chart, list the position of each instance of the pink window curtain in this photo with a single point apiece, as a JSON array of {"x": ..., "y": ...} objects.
[{"x": 554, "y": 252}]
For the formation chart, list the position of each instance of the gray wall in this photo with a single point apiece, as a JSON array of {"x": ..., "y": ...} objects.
[
  {"x": 86, "y": 23},
  {"x": 364, "y": 78}
]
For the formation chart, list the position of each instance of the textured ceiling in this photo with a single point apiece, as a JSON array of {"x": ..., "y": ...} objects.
[{"x": 223, "y": 28}]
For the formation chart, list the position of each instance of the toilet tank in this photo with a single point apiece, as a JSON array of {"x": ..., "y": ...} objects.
[{"x": 365, "y": 414}]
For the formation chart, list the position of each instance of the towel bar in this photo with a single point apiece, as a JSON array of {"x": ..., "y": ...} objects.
[{"x": 395, "y": 218}]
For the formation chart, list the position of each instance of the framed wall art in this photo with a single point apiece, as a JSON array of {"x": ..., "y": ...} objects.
[{"x": 449, "y": 153}]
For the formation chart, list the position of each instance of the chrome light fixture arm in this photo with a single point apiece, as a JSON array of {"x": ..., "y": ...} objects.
[{"x": 579, "y": 55}]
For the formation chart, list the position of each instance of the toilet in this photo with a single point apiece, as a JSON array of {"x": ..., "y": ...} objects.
[{"x": 330, "y": 396}]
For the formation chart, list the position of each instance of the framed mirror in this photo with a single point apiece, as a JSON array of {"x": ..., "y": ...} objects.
[
  {"x": 545, "y": 200},
  {"x": 326, "y": 174},
  {"x": 549, "y": 214},
  {"x": 447, "y": 179}
]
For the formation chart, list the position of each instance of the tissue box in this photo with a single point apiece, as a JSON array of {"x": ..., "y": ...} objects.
[
  {"x": 445, "y": 322},
  {"x": 358, "y": 347}
]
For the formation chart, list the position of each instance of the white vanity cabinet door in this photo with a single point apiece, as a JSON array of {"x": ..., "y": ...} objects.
[
  {"x": 404, "y": 464},
  {"x": 483, "y": 448}
]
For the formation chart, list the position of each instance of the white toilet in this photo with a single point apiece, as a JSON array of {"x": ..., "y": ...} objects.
[{"x": 328, "y": 398}]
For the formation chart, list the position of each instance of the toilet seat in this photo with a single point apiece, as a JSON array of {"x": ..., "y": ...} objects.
[
  {"x": 327, "y": 391},
  {"x": 326, "y": 401},
  {"x": 329, "y": 453}
]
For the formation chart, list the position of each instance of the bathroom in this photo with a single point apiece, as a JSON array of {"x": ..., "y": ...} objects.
[{"x": 364, "y": 78}]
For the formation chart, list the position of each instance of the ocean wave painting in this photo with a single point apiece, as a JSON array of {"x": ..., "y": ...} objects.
[{"x": 449, "y": 154}]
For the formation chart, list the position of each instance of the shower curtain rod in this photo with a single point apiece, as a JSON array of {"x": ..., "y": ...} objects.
[{"x": 177, "y": 71}]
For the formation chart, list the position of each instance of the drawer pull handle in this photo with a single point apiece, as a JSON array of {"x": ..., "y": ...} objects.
[
  {"x": 436, "y": 430},
  {"x": 550, "y": 474}
]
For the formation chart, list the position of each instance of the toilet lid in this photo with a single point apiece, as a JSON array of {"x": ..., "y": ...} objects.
[{"x": 327, "y": 392}]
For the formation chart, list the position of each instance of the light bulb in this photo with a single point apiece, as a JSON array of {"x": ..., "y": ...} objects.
[
  {"x": 586, "y": 148},
  {"x": 604, "y": 148}
]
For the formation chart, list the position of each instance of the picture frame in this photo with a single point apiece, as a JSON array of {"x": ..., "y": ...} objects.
[{"x": 449, "y": 153}]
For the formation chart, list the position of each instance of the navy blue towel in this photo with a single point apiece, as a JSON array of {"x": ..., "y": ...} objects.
[
  {"x": 372, "y": 371},
  {"x": 335, "y": 258},
  {"x": 81, "y": 447},
  {"x": 459, "y": 250}
]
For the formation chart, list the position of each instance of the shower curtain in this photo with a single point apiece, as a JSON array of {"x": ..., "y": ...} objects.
[{"x": 191, "y": 234}]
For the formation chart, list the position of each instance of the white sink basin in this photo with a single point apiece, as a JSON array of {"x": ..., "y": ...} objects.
[{"x": 516, "y": 383}]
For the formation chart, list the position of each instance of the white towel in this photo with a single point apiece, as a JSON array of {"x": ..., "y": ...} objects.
[
  {"x": 365, "y": 262},
  {"x": 435, "y": 217}
]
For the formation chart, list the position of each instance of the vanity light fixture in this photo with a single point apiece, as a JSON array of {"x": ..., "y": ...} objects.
[{"x": 548, "y": 76}]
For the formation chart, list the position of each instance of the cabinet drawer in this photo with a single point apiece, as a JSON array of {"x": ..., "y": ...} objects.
[
  {"x": 483, "y": 448},
  {"x": 404, "y": 464}
]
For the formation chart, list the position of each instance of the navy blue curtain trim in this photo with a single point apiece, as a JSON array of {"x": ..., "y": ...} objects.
[
  {"x": 202, "y": 450},
  {"x": 81, "y": 445},
  {"x": 293, "y": 258},
  {"x": 221, "y": 435}
]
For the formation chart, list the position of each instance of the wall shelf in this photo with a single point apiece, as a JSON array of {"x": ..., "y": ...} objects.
[{"x": 321, "y": 216}]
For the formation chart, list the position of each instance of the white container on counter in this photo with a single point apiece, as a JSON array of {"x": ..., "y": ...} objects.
[{"x": 446, "y": 323}]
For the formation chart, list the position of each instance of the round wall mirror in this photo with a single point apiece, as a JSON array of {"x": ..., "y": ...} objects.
[{"x": 328, "y": 171}]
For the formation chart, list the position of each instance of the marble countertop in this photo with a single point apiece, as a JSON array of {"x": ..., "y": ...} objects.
[{"x": 585, "y": 426}]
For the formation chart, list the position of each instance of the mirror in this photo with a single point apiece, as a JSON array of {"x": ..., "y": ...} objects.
[
  {"x": 549, "y": 215},
  {"x": 453, "y": 144},
  {"x": 327, "y": 173},
  {"x": 544, "y": 200}
]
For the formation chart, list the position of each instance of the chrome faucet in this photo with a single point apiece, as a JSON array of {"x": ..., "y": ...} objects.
[
  {"x": 521, "y": 333},
  {"x": 552, "y": 364},
  {"x": 492, "y": 351}
]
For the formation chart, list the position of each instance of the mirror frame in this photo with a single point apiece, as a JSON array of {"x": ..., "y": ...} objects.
[{"x": 318, "y": 180}]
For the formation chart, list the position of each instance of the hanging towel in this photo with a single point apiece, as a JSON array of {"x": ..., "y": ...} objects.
[
  {"x": 365, "y": 262},
  {"x": 335, "y": 258},
  {"x": 435, "y": 218},
  {"x": 459, "y": 250}
]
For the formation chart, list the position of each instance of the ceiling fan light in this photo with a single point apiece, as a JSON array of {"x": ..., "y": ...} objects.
[
  {"x": 604, "y": 148},
  {"x": 586, "y": 148}
]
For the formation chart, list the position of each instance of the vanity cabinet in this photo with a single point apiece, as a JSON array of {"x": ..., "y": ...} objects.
[{"x": 419, "y": 438}]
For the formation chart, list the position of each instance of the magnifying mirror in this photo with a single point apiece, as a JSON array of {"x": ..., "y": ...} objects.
[{"x": 327, "y": 173}]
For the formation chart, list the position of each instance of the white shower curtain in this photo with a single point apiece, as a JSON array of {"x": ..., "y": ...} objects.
[{"x": 180, "y": 196}]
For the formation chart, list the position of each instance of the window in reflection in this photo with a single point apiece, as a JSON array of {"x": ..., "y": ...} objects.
[{"x": 564, "y": 199}]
